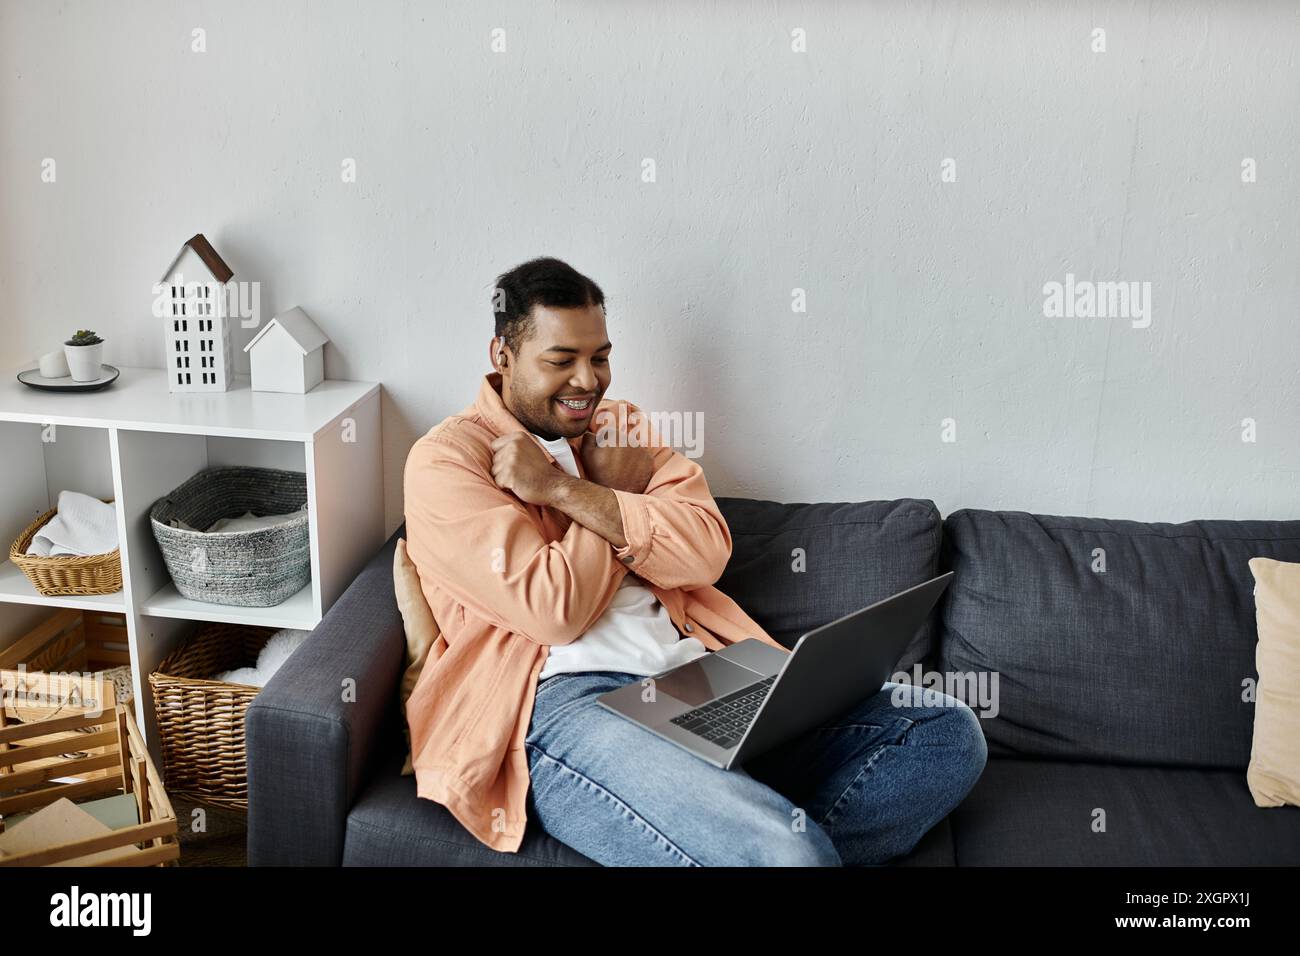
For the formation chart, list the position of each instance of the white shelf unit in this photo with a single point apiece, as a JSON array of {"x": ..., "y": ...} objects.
[{"x": 134, "y": 442}]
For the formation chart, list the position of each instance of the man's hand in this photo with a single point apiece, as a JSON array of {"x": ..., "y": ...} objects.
[
  {"x": 519, "y": 465},
  {"x": 627, "y": 468}
]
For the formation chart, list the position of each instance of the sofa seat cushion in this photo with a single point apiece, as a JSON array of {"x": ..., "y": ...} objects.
[
  {"x": 795, "y": 567},
  {"x": 390, "y": 826},
  {"x": 1026, "y": 812}
]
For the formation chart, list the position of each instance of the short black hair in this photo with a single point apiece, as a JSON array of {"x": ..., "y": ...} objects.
[{"x": 546, "y": 282}]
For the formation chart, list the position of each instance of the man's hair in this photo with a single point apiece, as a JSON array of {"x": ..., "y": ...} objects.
[{"x": 546, "y": 282}]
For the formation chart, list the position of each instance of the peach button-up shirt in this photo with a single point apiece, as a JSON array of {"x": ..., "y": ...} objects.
[{"x": 506, "y": 580}]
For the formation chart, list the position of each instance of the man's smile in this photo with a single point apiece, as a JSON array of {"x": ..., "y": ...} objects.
[{"x": 576, "y": 407}]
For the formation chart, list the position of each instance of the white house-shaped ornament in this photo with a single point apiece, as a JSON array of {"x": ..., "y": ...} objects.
[
  {"x": 196, "y": 310},
  {"x": 288, "y": 354}
]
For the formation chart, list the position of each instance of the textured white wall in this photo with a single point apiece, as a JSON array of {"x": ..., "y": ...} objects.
[{"x": 776, "y": 170}]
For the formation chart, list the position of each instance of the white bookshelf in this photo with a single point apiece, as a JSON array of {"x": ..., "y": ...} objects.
[{"x": 134, "y": 442}]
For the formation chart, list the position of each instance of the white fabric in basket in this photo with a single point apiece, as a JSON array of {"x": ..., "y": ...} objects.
[
  {"x": 83, "y": 525},
  {"x": 275, "y": 652},
  {"x": 245, "y": 522}
]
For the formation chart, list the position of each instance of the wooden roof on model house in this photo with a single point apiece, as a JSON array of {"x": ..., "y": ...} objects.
[{"x": 203, "y": 249}]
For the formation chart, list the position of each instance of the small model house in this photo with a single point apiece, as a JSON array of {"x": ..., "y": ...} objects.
[
  {"x": 288, "y": 354},
  {"x": 197, "y": 316}
]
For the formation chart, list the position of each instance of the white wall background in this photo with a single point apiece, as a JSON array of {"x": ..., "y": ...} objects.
[{"x": 775, "y": 170}]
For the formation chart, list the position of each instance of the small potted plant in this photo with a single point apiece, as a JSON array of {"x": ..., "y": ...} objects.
[{"x": 85, "y": 352}]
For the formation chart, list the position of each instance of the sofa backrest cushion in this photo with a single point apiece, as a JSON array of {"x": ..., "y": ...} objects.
[
  {"x": 1146, "y": 661},
  {"x": 795, "y": 567}
]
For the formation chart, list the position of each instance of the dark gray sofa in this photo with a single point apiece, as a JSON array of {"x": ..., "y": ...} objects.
[{"x": 1121, "y": 651}]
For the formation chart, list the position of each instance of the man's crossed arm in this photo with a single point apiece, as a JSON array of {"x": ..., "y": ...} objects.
[
  {"x": 469, "y": 529},
  {"x": 518, "y": 465}
]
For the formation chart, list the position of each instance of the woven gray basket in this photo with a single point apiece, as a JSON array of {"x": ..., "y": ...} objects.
[{"x": 255, "y": 568}]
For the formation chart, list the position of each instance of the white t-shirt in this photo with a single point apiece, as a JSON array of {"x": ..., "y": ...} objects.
[{"x": 634, "y": 635}]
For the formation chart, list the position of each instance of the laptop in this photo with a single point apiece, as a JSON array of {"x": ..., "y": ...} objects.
[{"x": 736, "y": 703}]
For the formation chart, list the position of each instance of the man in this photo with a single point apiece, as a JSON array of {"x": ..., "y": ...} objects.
[{"x": 558, "y": 568}]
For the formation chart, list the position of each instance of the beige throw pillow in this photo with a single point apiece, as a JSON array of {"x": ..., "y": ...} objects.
[
  {"x": 421, "y": 631},
  {"x": 1274, "y": 772}
]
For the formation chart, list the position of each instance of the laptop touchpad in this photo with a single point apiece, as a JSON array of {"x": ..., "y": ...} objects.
[{"x": 702, "y": 680}]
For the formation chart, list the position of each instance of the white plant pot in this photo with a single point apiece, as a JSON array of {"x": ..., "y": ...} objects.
[{"x": 84, "y": 361}]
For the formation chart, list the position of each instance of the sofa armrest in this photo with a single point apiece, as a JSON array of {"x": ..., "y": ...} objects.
[{"x": 313, "y": 729}]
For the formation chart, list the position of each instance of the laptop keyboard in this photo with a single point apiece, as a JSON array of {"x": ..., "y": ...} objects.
[{"x": 724, "y": 721}]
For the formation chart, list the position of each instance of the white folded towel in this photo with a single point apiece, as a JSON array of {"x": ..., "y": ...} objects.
[{"x": 83, "y": 525}]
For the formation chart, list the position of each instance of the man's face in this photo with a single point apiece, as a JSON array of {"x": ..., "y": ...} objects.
[{"x": 565, "y": 357}]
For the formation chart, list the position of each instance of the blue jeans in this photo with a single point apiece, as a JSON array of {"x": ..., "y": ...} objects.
[{"x": 859, "y": 790}]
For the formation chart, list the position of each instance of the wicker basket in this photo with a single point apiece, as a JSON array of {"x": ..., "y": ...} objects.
[
  {"x": 66, "y": 573},
  {"x": 200, "y": 720},
  {"x": 256, "y": 568}
]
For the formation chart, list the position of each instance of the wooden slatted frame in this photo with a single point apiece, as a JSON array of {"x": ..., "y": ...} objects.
[{"x": 27, "y": 784}]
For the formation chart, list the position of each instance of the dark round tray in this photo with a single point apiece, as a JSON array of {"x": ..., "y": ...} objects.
[{"x": 33, "y": 378}]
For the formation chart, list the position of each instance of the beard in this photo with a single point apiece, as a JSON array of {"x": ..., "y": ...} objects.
[{"x": 536, "y": 411}]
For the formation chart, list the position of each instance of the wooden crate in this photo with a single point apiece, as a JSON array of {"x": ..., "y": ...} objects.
[
  {"x": 69, "y": 640},
  {"x": 29, "y": 781}
]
